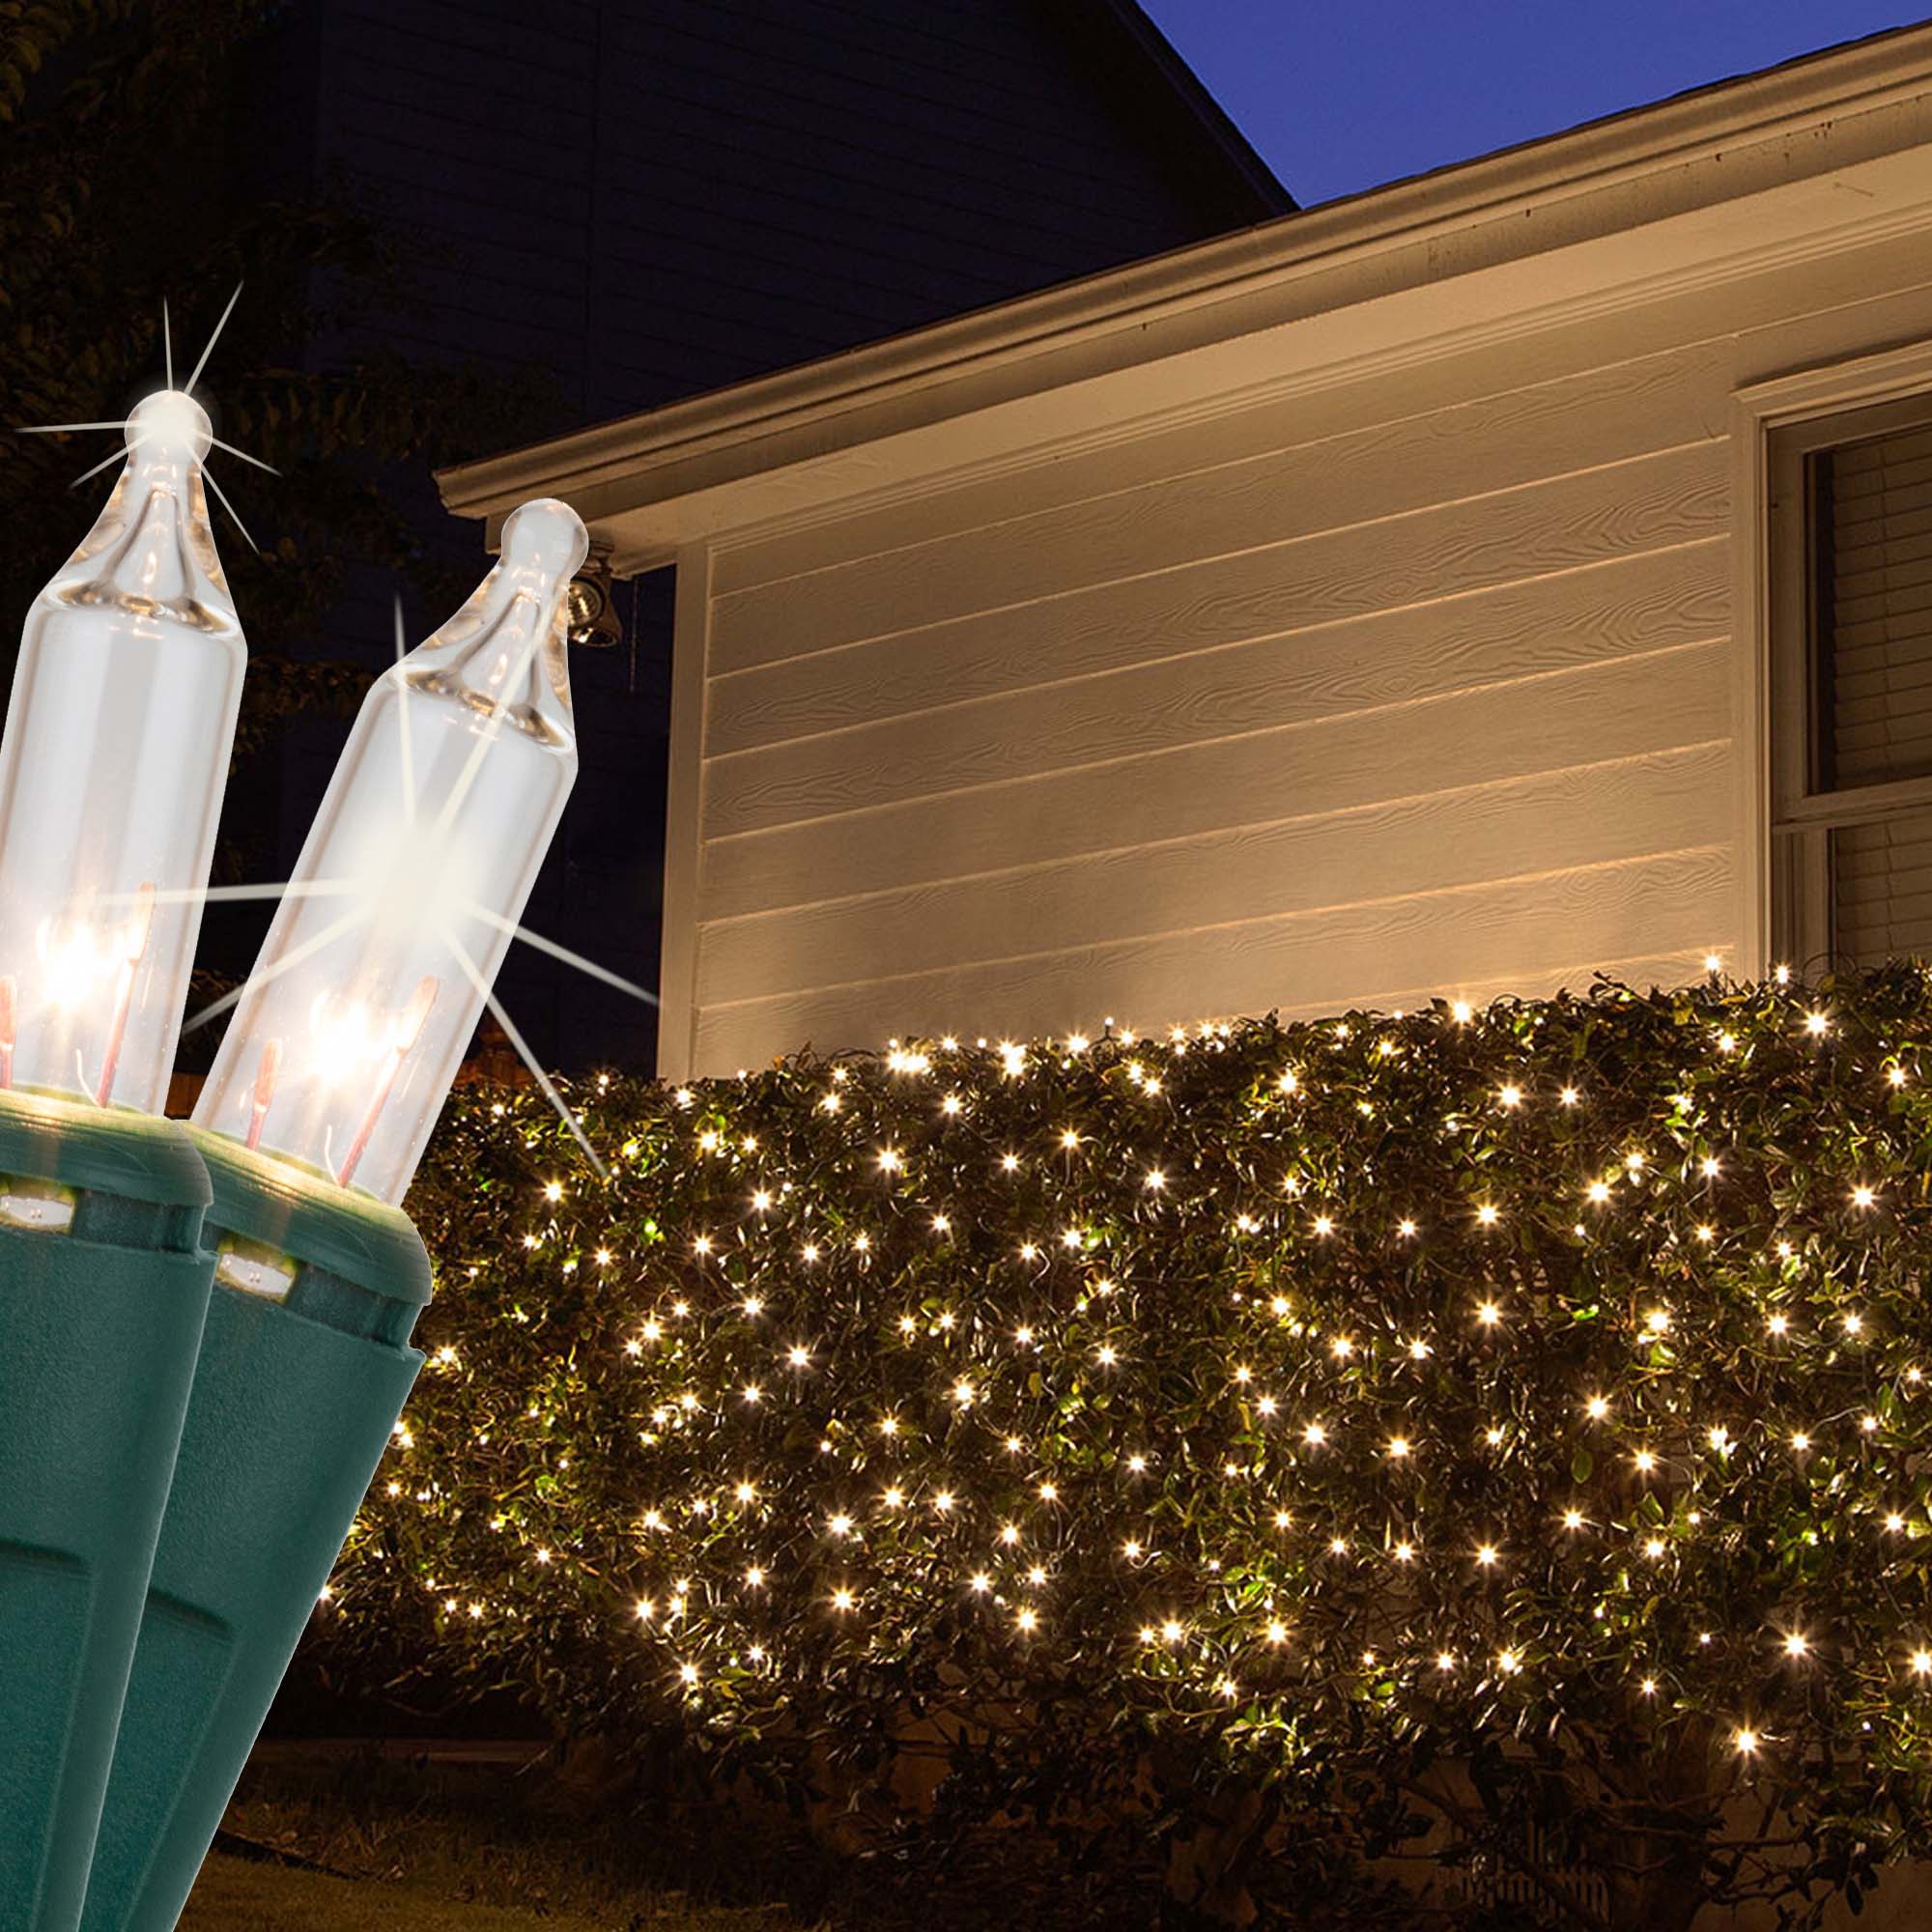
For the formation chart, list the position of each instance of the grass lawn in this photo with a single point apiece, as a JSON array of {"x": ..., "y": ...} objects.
[
  {"x": 414, "y": 1848},
  {"x": 239, "y": 1896}
]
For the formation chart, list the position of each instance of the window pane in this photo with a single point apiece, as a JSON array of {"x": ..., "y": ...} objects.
[
  {"x": 1874, "y": 593},
  {"x": 1882, "y": 887}
]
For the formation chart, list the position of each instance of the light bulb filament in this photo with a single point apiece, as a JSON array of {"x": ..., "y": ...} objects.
[
  {"x": 264, "y": 1090},
  {"x": 408, "y": 1031},
  {"x": 140, "y": 925}
]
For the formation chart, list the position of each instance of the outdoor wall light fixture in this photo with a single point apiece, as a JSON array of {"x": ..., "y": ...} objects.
[
  {"x": 376, "y": 969},
  {"x": 594, "y": 622},
  {"x": 111, "y": 773}
]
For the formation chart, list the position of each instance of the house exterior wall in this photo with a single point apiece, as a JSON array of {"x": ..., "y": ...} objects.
[{"x": 1429, "y": 683}]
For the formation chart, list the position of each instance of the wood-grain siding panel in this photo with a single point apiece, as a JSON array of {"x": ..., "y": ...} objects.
[
  {"x": 1504, "y": 441},
  {"x": 1416, "y": 556},
  {"x": 1661, "y": 501},
  {"x": 1624, "y": 703},
  {"x": 1499, "y": 934},
  {"x": 1637, "y": 603},
  {"x": 1580, "y": 814}
]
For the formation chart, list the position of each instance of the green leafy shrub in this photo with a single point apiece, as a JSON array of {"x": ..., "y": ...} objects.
[{"x": 1500, "y": 1436}]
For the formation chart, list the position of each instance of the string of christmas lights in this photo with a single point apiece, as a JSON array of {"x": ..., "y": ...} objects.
[{"x": 1559, "y": 1364}]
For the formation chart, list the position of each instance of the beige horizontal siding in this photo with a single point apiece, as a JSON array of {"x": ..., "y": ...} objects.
[
  {"x": 1491, "y": 684},
  {"x": 1252, "y": 503},
  {"x": 1498, "y": 935},
  {"x": 1580, "y": 814},
  {"x": 1415, "y": 686},
  {"x": 1529, "y": 532}
]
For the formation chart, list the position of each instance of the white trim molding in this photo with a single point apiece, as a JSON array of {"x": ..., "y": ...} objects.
[
  {"x": 1766, "y": 602},
  {"x": 677, "y": 971}
]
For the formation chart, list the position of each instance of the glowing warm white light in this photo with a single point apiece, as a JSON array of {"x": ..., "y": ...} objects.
[
  {"x": 111, "y": 774},
  {"x": 382, "y": 952}
]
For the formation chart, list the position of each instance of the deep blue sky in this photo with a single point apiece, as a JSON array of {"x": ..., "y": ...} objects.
[{"x": 1344, "y": 95}]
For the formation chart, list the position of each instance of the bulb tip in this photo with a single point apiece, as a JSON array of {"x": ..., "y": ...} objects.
[
  {"x": 170, "y": 424},
  {"x": 546, "y": 535}
]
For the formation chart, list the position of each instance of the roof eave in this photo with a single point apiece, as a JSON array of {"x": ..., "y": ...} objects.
[{"x": 1152, "y": 309}]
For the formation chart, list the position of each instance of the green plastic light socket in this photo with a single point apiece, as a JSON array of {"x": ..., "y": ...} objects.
[
  {"x": 294, "y": 1400},
  {"x": 103, "y": 1288}
]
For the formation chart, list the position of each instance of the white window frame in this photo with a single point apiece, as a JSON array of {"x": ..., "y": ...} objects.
[{"x": 1786, "y": 821}]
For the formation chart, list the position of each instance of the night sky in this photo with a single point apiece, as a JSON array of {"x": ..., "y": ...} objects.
[{"x": 1343, "y": 96}]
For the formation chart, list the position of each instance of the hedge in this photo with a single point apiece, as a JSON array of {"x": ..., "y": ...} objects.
[{"x": 1516, "y": 1417}]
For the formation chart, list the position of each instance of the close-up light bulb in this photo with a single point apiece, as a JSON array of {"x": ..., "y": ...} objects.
[
  {"x": 112, "y": 767},
  {"x": 377, "y": 967},
  {"x": 111, "y": 774}
]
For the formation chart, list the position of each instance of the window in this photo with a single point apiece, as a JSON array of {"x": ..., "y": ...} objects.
[{"x": 1851, "y": 702}]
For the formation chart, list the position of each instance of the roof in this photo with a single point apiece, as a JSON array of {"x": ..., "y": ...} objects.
[
  {"x": 1177, "y": 92},
  {"x": 1723, "y": 174}
]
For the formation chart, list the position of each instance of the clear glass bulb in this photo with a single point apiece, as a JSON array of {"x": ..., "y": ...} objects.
[
  {"x": 111, "y": 774},
  {"x": 380, "y": 955}
]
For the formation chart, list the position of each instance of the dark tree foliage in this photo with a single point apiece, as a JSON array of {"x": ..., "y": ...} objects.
[
  {"x": 128, "y": 175},
  {"x": 1486, "y": 1452}
]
